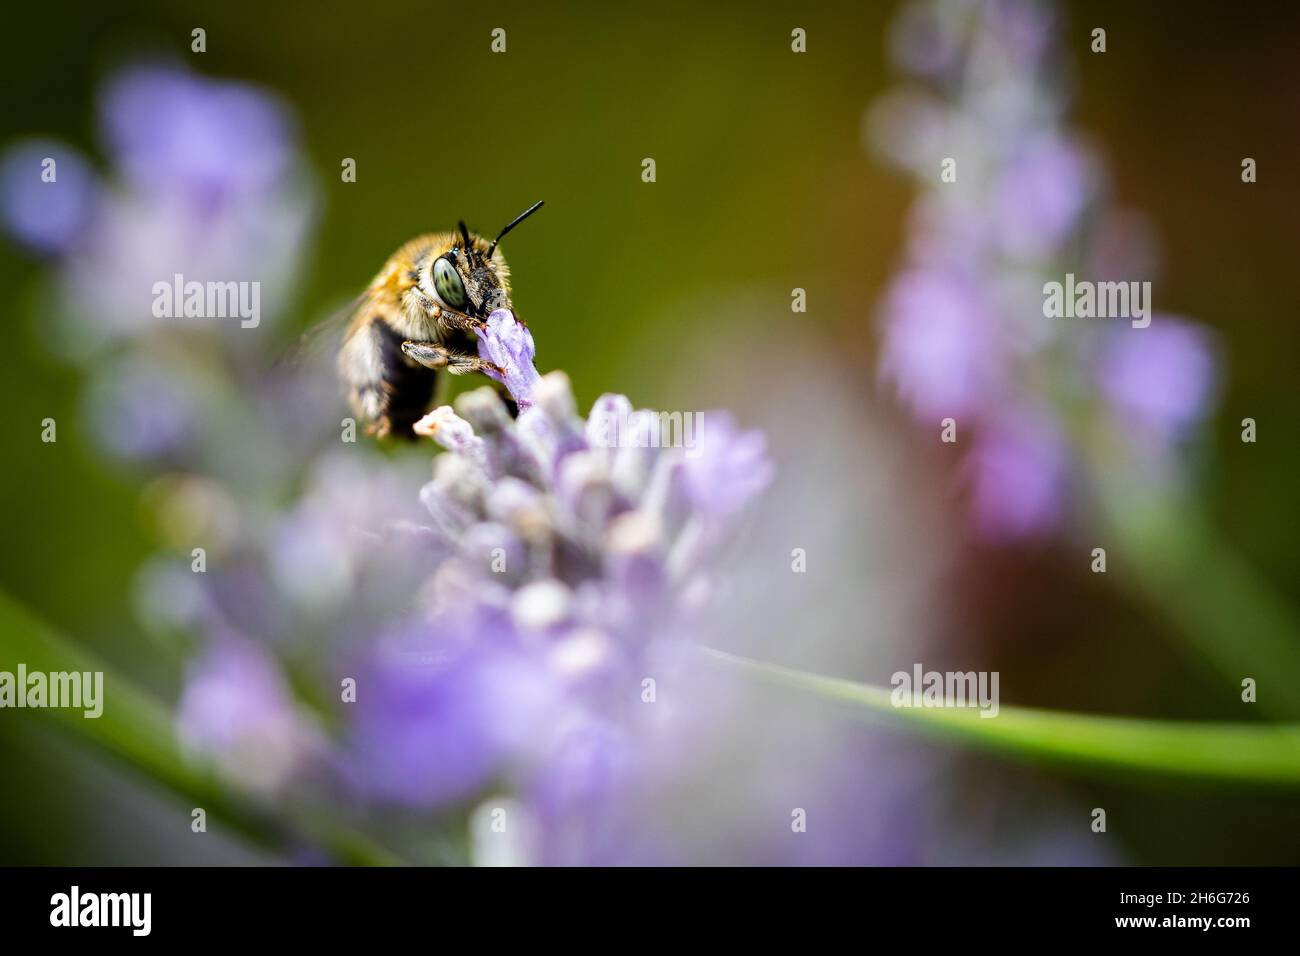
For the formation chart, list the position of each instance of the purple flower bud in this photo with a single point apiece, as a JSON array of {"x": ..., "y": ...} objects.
[
  {"x": 509, "y": 345},
  {"x": 451, "y": 432},
  {"x": 47, "y": 216},
  {"x": 1163, "y": 378},
  {"x": 728, "y": 467},
  {"x": 1018, "y": 476},
  {"x": 174, "y": 132},
  {"x": 428, "y": 730},
  {"x": 237, "y": 710},
  {"x": 941, "y": 346},
  {"x": 1045, "y": 187}
]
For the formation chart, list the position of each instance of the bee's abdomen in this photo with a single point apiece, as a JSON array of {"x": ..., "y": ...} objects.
[
  {"x": 409, "y": 387},
  {"x": 383, "y": 386}
]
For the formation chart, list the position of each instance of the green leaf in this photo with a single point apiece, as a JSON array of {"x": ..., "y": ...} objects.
[
  {"x": 138, "y": 730},
  {"x": 1233, "y": 620},
  {"x": 1241, "y": 752}
]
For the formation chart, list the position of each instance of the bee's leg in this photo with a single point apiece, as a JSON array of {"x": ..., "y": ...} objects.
[
  {"x": 461, "y": 322},
  {"x": 458, "y": 363},
  {"x": 426, "y": 353},
  {"x": 439, "y": 357}
]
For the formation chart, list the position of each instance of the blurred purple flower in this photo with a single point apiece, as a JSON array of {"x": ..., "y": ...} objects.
[
  {"x": 727, "y": 468},
  {"x": 48, "y": 217},
  {"x": 238, "y": 712},
  {"x": 963, "y": 332},
  {"x": 1020, "y": 30},
  {"x": 434, "y": 728},
  {"x": 941, "y": 344},
  {"x": 206, "y": 181},
  {"x": 352, "y": 519},
  {"x": 140, "y": 409},
  {"x": 591, "y": 768},
  {"x": 1018, "y": 477},
  {"x": 925, "y": 38},
  {"x": 1162, "y": 377},
  {"x": 171, "y": 131},
  {"x": 1043, "y": 190}
]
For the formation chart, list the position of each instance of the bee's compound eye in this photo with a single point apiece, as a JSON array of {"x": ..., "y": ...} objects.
[{"x": 446, "y": 281}]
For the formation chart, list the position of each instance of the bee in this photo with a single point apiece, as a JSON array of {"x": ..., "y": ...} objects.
[{"x": 418, "y": 317}]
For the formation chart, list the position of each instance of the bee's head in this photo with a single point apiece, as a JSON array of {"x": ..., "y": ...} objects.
[
  {"x": 468, "y": 279},
  {"x": 464, "y": 279}
]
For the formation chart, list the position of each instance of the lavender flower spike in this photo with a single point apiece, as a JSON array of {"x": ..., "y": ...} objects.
[
  {"x": 509, "y": 345},
  {"x": 572, "y": 560}
]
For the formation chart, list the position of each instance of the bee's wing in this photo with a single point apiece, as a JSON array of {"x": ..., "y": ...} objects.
[
  {"x": 320, "y": 341},
  {"x": 300, "y": 389}
]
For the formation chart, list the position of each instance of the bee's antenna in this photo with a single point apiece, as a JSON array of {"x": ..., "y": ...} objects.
[
  {"x": 464, "y": 234},
  {"x": 514, "y": 222}
]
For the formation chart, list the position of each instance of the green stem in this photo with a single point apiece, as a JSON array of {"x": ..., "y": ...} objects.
[
  {"x": 136, "y": 729},
  {"x": 1244, "y": 753},
  {"x": 1235, "y": 622}
]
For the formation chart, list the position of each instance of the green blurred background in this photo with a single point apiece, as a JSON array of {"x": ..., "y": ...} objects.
[{"x": 763, "y": 184}]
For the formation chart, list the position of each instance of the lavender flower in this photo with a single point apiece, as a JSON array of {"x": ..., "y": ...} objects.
[
  {"x": 559, "y": 573},
  {"x": 210, "y": 141},
  {"x": 941, "y": 345},
  {"x": 238, "y": 712},
  {"x": 1018, "y": 476},
  {"x": 1164, "y": 379},
  {"x": 46, "y": 216},
  {"x": 964, "y": 335},
  {"x": 429, "y": 731},
  {"x": 205, "y": 182},
  {"x": 509, "y": 345},
  {"x": 505, "y": 621},
  {"x": 141, "y": 409},
  {"x": 562, "y": 574}
]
